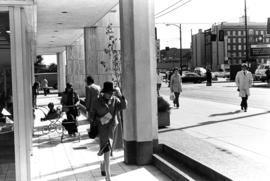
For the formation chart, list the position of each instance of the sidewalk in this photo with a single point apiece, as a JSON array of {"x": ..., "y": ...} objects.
[
  {"x": 222, "y": 137},
  {"x": 78, "y": 161}
]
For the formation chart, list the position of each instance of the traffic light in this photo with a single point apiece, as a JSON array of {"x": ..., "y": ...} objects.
[{"x": 221, "y": 35}]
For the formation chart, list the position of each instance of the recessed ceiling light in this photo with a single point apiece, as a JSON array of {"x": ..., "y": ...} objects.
[
  {"x": 59, "y": 23},
  {"x": 53, "y": 36},
  {"x": 51, "y": 41},
  {"x": 55, "y": 30},
  {"x": 64, "y": 12}
]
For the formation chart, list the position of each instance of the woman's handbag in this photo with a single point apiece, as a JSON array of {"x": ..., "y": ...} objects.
[
  {"x": 172, "y": 96},
  {"x": 93, "y": 132}
]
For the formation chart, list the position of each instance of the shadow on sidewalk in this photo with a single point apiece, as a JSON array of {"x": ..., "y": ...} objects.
[
  {"x": 212, "y": 122},
  {"x": 224, "y": 114}
]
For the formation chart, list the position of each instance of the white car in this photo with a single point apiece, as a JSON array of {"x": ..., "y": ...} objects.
[{"x": 260, "y": 72}]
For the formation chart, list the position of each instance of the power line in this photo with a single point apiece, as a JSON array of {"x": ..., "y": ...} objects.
[
  {"x": 168, "y": 7},
  {"x": 173, "y": 9}
]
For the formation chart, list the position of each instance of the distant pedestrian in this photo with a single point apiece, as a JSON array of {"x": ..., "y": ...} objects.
[
  {"x": 35, "y": 89},
  {"x": 208, "y": 77},
  {"x": 45, "y": 86},
  {"x": 92, "y": 93},
  {"x": 244, "y": 81},
  {"x": 159, "y": 82},
  {"x": 176, "y": 86},
  {"x": 267, "y": 73},
  {"x": 169, "y": 77}
]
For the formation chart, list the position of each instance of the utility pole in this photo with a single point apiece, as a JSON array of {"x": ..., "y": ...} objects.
[{"x": 246, "y": 30}]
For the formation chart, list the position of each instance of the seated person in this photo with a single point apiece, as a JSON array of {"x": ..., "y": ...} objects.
[
  {"x": 52, "y": 114},
  {"x": 70, "y": 124}
]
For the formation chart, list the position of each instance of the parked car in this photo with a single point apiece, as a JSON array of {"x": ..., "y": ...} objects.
[
  {"x": 193, "y": 77},
  {"x": 200, "y": 71},
  {"x": 260, "y": 72}
]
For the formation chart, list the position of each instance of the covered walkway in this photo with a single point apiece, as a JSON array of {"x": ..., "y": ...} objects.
[{"x": 75, "y": 160}]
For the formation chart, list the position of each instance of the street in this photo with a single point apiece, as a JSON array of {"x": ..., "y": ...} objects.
[{"x": 212, "y": 114}]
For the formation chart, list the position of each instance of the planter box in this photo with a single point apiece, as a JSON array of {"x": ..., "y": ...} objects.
[{"x": 163, "y": 119}]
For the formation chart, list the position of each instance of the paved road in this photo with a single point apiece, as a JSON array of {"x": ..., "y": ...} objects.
[
  {"x": 213, "y": 115},
  {"x": 224, "y": 93}
]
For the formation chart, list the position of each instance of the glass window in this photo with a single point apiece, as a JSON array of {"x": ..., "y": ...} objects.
[
  {"x": 233, "y": 33},
  {"x": 244, "y": 33},
  {"x": 239, "y": 47},
  {"x": 228, "y": 33},
  {"x": 229, "y": 40},
  {"x": 262, "y": 32},
  {"x": 240, "y": 54},
  {"x": 229, "y": 47},
  {"x": 244, "y": 40},
  {"x": 239, "y": 33},
  {"x": 257, "y": 32},
  {"x": 267, "y": 40},
  {"x": 234, "y": 40},
  {"x": 244, "y": 47},
  {"x": 239, "y": 40},
  {"x": 234, "y": 47},
  {"x": 251, "y": 32}
]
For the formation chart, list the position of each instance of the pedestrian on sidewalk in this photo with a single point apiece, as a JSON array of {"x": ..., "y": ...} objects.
[
  {"x": 208, "y": 77},
  {"x": 104, "y": 113},
  {"x": 44, "y": 86},
  {"x": 35, "y": 89},
  {"x": 91, "y": 94},
  {"x": 176, "y": 86},
  {"x": 159, "y": 82},
  {"x": 244, "y": 81},
  {"x": 267, "y": 73}
]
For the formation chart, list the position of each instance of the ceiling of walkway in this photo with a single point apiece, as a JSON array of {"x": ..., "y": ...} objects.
[{"x": 61, "y": 22}]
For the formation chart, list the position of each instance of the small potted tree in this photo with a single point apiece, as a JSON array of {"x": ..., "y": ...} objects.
[{"x": 163, "y": 112}]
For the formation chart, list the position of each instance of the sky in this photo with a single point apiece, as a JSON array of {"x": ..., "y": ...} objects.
[
  {"x": 202, "y": 14},
  {"x": 49, "y": 59}
]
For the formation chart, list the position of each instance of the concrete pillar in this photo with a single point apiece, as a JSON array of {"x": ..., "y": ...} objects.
[
  {"x": 139, "y": 80},
  {"x": 21, "y": 92},
  {"x": 75, "y": 69},
  {"x": 61, "y": 71}
]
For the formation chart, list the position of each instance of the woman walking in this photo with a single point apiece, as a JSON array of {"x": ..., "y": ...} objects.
[
  {"x": 176, "y": 86},
  {"x": 104, "y": 114}
]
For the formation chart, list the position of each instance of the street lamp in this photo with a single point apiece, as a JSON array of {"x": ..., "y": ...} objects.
[{"x": 180, "y": 38}]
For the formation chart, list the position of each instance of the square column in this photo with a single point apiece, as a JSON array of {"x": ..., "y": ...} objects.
[
  {"x": 139, "y": 80},
  {"x": 61, "y": 71}
]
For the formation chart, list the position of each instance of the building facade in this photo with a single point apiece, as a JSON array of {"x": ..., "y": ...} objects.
[{"x": 225, "y": 44}]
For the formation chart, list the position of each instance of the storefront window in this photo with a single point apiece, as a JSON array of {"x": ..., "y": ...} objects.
[{"x": 7, "y": 158}]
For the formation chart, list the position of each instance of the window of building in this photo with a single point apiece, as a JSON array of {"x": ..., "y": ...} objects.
[
  {"x": 229, "y": 33},
  {"x": 229, "y": 47},
  {"x": 262, "y": 32},
  {"x": 234, "y": 47},
  {"x": 257, "y": 32},
  {"x": 234, "y": 40},
  {"x": 239, "y": 40},
  {"x": 267, "y": 40},
  {"x": 251, "y": 32},
  {"x": 239, "y": 33},
  {"x": 239, "y": 47},
  {"x": 229, "y": 40},
  {"x": 233, "y": 33},
  {"x": 244, "y": 40},
  {"x": 244, "y": 33},
  {"x": 240, "y": 54}
]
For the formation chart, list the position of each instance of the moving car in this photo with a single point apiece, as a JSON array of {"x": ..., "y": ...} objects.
[
  {"x": 260, "y": 72},
  {"x": 193, "y": 77}
]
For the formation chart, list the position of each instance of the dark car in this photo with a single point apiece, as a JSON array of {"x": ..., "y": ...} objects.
[{"x": 193, "y": 77}]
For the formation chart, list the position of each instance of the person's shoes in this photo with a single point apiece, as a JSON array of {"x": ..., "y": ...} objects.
[
  {"x": 103, "y": 173},
  {"x": 242, "y": 108},
  {"x": 245, "y": 109}
]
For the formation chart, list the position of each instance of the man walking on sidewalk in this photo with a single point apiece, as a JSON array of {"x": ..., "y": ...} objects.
[
  {"x": 244, "y": 81},
  {"x": 92, "y": 93}
]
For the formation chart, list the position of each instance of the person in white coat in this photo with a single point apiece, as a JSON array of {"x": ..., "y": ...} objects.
[{"x": 244, "y": 81}]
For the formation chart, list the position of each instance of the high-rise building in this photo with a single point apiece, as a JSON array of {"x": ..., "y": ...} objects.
[{"x": 225, "y": 44}]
